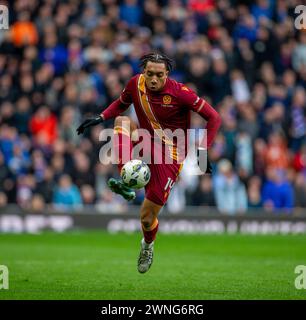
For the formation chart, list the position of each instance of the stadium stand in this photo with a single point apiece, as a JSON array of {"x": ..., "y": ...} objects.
[{"x": 61, "y": 61}]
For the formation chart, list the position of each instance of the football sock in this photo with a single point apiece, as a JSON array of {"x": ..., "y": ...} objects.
[
  {"x": 123, "y": 146},
  {"x": 149, "y": 234},
  {"x": 146, "y": 245}
]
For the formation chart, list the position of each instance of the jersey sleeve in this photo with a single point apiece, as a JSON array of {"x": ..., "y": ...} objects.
[
  {"x": 126, "y": 94},
  {"x": 193, "y": 102}
]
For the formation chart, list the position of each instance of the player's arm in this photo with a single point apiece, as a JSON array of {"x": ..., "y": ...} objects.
[
  {"x": 113, "y": 110},
  {"x": 205, "y": 110}
]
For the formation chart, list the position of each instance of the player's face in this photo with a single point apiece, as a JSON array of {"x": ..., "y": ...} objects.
[{"x": 155, "y": 75}]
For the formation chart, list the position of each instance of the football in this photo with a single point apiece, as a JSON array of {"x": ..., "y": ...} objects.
[{"x": 135, "y": 174}]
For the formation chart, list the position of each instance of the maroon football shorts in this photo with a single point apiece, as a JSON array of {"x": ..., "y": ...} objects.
[{"x": 163, "y": 177}]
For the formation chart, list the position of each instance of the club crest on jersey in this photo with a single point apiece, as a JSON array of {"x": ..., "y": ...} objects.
[{"x": 166, "y": 99}]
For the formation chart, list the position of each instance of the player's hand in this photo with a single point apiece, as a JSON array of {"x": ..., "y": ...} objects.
[{"x": 88, "y": 123}]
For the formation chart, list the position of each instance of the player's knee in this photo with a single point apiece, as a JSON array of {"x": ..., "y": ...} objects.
[
  {"x": 147, "y": 218},
  {"x": 122, "y": 121},
  {"x": 146, "y": 223}
]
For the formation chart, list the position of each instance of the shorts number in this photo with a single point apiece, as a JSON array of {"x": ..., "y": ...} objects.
[{"x": 169, "y": 184}]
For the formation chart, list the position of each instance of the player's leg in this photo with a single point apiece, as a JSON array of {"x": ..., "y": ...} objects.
[
  {"x": 123, "y": 128},
  {"x": 148, "y": 214},
  {"x": 163, "y": 177}
]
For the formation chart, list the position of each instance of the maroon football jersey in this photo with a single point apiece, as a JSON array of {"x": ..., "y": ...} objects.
[{"x": 170, "y": 107}]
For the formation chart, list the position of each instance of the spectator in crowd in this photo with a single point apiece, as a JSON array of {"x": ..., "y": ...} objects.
[
  {"x": 277, "y": 155},
  {"x": 130, "y": 12},
  {"x": 231, "y": 196},
  {"x": 67, "y": 124},
  {"x": 3, "y": 199},
  {"x": 43, "y": 126},
  {"x": 299, "y": 161},
  {"x": 82, "y": 172},
  {"x": 67, "y": 195},
  {"x": 88, "y": 194},
  {"x": 46, "y": 186},
  {"x": 239, "y": 86},
  {"x": 109, "y": 202},
  {"x": 23, "y": 31},
  {"x": 19, "y": 161},
  {"x": 54, "y": 53},
  {"x": 25, "y": 188},
  {"x": 277, "y": 192},
  {"x": 220, "y": 81},
  {"x": 244, "y": 155},
  {"x": 38, "y": 204},
  {"x": 297, "y": 118},
  {"x": 22, "y": 115},
  {"x": 254, "y": 193},
  {"x": 204, "y": 195},
  {"x": 300, "y": 190},
  {"x": 260, "y": 148},
  {"x": 4, "y": 172},
  {"x": 299, "y": 54}
]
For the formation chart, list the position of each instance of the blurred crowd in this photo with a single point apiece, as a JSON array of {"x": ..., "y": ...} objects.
[{"x": 61, "y": 61}]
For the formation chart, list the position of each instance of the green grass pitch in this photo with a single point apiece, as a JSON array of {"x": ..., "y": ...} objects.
[{"x": 98, "y": 265}]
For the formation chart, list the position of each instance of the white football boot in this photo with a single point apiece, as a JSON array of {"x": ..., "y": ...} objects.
[{"x": 145, "y": 258}]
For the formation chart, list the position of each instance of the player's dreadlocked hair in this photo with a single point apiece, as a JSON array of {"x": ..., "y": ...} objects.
[{"x": 156, "y": 57}]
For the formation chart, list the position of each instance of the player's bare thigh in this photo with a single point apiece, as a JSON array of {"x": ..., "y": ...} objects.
[
  {"x": 149, "y": 212},
  {"x": 126, "y": 123}
]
